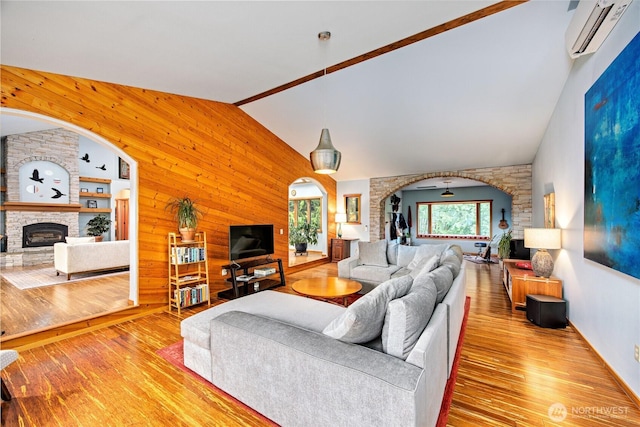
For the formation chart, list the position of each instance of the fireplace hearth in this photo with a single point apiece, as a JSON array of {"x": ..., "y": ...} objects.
[{"x": 43, "y": 234}]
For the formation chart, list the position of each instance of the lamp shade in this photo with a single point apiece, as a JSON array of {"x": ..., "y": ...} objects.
[
  {"x": 543, "y": 238},
  {"x": 341, "y": 217},
  {"x": 325, "y": 159}
]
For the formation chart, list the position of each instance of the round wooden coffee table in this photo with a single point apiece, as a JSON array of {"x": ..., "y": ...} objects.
[{"x": 327, "y": 287}]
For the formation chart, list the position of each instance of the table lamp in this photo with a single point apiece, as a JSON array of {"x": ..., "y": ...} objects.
[
  {"x": 542, "y": 239},
  {"x": 340, "y": 218}
]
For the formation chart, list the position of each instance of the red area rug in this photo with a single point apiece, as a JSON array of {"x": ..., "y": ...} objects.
[
  {"x": 451, "y": 382},
  {"x": 174, "y": 354}
]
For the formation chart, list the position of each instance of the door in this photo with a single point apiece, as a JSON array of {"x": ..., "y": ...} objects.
[{"x": 122, "y": 219}]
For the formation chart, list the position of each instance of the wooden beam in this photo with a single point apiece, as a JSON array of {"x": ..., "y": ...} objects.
[{"x": 439, "y": 29}]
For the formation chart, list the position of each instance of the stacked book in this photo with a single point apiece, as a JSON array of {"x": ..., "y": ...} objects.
[{"x": 263, "y": 271}]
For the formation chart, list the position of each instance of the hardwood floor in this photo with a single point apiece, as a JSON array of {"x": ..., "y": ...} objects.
[
  {"x": 34, "y": 309},
  {"x": 510, "y": 373}
]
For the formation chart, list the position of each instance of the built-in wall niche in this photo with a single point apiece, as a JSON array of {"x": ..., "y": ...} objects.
[{"x": 42, "y": 181}]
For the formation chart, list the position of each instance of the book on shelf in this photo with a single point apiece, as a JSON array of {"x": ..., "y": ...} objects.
[
  {"x": 191, "y": 295},
  {"x": 180, "y": 255}
]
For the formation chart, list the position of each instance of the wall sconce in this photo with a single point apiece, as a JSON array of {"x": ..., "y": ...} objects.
[{"x": 542, "y": 239}]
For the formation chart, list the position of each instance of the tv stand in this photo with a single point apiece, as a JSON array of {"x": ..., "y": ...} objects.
[{"x": 247, "y": 282}]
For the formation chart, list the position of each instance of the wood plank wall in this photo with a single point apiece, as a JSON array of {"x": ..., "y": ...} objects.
[{"x": 236, "y": 169}]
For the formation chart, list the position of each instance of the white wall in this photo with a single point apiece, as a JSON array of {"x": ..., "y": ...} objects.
[
  {"x": 603, "y": 304},
  {"x": 355, "y": 231}
]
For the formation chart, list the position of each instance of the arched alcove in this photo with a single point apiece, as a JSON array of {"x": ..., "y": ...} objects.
[
  {"x": 513, "y": 180},
  {"x": 306, "y": 188}
]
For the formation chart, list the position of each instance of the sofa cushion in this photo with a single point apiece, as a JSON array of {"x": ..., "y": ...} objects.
[
  {"x": 443, "y": 278},
  {"x": 426, "y": 251},
  {"x": 362, "y": 321},
  {"x": 76, "y": 240},
  {"x": 406, "y": 254},
  {"x": 392, "y": 252},
  {"x": 305, "y": 313},
  {"x": 406, "y": 318},
  {"x": 372, "y": 273},
  {"x": 373, "y": 253}
]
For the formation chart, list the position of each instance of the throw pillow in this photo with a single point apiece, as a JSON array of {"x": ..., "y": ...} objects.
[
  {"x": 406, "y": 254},
  {"x": 373, "y": 253},
  {"x": 425, "y": 264},
  {"x": 362, "y": 321},
  {"x": 74, "y": 240},
  {"x": 443, "y": 278},
  {"x": 426, "y": 251},
  {"x": 453, "y": 263},
  {"x": 525, "y": 265},
  {"x": 407, "y": 317}
]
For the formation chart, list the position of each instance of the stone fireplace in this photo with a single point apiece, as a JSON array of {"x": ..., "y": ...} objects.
[
  {"x": 60, "y": 148},
  {"x": 43, "y": 234}
]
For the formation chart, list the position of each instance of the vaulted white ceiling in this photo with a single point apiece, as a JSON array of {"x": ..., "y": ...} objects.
[{"x": 479, "y": 95}]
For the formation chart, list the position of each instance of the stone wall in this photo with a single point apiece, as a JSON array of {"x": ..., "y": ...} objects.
[
  {"x": 59, "y": 146},
  {"x": 513, "y": 180}
]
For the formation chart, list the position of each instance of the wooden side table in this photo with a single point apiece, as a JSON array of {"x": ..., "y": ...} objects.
[
  {"x": 340, "y": 249},
  {"x": 519, "y": 282}
]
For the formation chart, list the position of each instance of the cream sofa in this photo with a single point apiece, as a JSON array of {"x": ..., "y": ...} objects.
[
  {"x": 73, "y": 258},
  {"x": 304, "y": 362}
]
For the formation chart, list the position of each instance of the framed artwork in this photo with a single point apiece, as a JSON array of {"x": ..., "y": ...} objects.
[
  {"x": 123, "y": 169},
  {"x": 99, "y": 190},
  {"x": 611, "y": 174},
  {"x": 352, "y": 208},
  {"x": 550, "y": 210},
  {"x": 92, "y": 203}
]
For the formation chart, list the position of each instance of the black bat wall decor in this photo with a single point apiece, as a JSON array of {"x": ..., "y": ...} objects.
[{"x": 35, "y": 176}]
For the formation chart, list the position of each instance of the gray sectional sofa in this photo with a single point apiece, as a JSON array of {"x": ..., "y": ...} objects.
[
  {"x": 384, "y": 360},
  {"x": 375, "y": 262}
]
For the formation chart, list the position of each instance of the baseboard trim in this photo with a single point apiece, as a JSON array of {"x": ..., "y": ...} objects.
[{"x": 625, "y": 387}]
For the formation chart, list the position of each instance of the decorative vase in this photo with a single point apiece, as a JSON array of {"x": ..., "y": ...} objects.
[
  {"x": 98, "y": 238},
  {"x": 301, "y": 247}
]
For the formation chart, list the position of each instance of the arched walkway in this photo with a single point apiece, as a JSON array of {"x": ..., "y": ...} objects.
[{"x": 513, "y": 180}]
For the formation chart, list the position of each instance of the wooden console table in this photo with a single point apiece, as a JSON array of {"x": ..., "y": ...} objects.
[{"x": 519, "y": 283}]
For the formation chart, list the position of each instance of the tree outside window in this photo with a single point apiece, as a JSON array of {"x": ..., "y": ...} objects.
[
  {"x": 470, "y": 219},
  {"x": 306, "y": 210}
]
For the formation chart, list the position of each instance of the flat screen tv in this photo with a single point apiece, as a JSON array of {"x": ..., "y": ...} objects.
[{"x": 248, "y": 241}]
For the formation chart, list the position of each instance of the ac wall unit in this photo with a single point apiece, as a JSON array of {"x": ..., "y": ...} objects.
[{"x": 592, "y": 22}]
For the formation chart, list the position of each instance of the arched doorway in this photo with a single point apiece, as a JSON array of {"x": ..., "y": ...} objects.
[
  {"x": 512, "y": 180},
  {"x": 82, "y": 191},
  {"x": 308, "y": 202}
]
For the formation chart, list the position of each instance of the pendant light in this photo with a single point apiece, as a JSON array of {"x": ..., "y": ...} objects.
[
  {"x": 447, "y": 193},
  {"x": 325, "y": 159}
]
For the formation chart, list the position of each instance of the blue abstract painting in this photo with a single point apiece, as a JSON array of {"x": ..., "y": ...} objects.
[{"x": 612, "y": 165}]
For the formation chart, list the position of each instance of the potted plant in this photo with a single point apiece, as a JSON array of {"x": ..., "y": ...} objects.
[
  {"x": 186, "y": 213},
  {"x": 504, "y": 245},
  {"x": 301, "y": 235},
  {"x": 97, "y": 226}
]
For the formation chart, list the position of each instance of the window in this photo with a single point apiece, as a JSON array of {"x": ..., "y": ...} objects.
[
  {"x": 306, "y": 210},
  {"x": 471, "y": 219}
]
